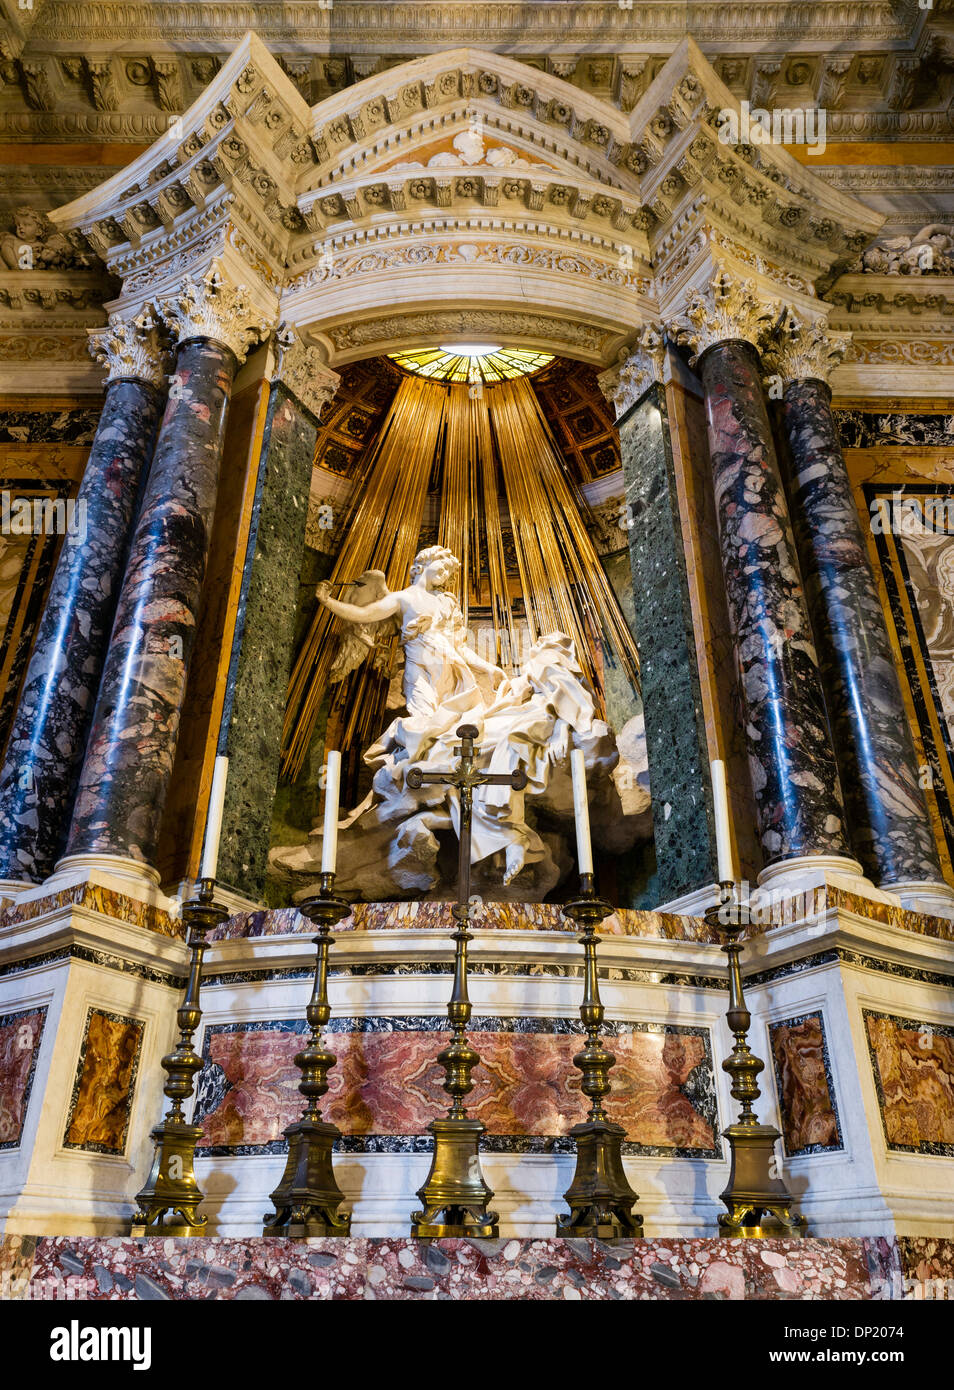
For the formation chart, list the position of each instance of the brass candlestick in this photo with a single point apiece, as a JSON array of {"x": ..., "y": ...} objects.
[
  {"x": 307, "y": 1199},
  {"x": 600, "y": 1197},
  {"x": 168, "y": 1202},
  {"x": 753, "y": 1193},
  {"x": 455, "y": 1195}
]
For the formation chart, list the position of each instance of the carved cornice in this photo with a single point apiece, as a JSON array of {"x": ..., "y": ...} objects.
[
  {"x": 801, "y": 348},
  {"x": 216, "y": 308},
  {"x": 522, "y": 25},
  {"x": 638, "y": 367},
  {"x": 131, "y": 349},
  {"x": 301, "y": 370},
  {"x": 728, "y": 309}
]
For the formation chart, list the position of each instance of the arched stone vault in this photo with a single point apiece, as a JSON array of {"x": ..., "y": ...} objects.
[{"x": 463, "y": 192}]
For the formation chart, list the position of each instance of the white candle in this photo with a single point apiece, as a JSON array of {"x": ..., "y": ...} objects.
[
  {"x": 329, "y": 840},
  {"x": 720, "y": 802},
  {"x": 581, "y": 810},
  {"x": 213, "y": 824}
]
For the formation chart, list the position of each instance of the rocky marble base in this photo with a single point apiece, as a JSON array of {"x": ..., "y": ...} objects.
[{"x": 356, "y": 1268}]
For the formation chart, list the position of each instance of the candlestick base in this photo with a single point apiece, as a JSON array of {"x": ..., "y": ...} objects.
[
  {"x": 168, "y": 1201},
  {"x": 455, "y": 1185},
  {"x": 753, "y": 1192},
  {"x": 600, "y": 1198},
  {"x": 307, "y": 1199}
]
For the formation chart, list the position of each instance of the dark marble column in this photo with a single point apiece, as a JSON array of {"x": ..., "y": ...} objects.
[
  {"x": 888, "y": 819},
  {"x": 48, "y": 737},
  {"x": 793, "y": 768},
  {"x": 125, "y": 776},
  {"x": 676, "y": 745},
  {"x": 264, "y": 632}
]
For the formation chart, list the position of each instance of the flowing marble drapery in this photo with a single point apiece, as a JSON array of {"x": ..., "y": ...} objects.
[
  {"x": 48, "y": 738},
  {"x": 888, "y": 819},
  {"x": 794, "y": 773},
  {"x": 125, "y": 777}
]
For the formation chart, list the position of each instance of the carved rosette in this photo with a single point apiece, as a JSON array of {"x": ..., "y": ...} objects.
[
  {"x": 131, "y": 349},
  {"x": 729, "y": 309},
  {"x": 300, "y": 369},
  {"x": 804, "y": 348},
  {"x": 636, "y": 370},
  {"x": 214, "y": 307}
]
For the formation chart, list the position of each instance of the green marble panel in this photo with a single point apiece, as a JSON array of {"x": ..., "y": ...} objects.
[
  {"x": 675, "y": 727},
  {"x": 264, "y": 642}
]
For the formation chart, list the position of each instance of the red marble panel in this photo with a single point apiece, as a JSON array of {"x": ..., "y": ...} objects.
[
  {"x": 105, "y": 1079},
  {"x": 389, "y": 1083},
  {"x": 914, "y": 1072},
  {"x": 19, "y": 1041},
  {"x": 263, "y": 1097}
]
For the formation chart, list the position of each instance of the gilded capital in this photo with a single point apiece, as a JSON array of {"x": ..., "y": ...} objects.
[
  {"x": 636, "y": 370},
  {"x": 727, "y": 309},
  {"x": 131, "y": 349},
  {"x": 214, "y": 307},
  {"x": 300, "y": 369},
  {"x": 804, "y": 348}
]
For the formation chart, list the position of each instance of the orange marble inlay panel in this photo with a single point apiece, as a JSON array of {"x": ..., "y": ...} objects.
[
  {"x": 913, "y": 1065},
  {"x": 105, "y": 1081}
]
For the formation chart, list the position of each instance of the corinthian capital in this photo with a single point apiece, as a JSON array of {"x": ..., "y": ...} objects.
[
  {"x": 636, "y": 370},
  {"x": 300, "y": 369},
  {"x": 215, "y": 307},
  {"x": 130, "y": 348},
  {"x": 803, "y": 348},
  {"x": 728, "y": 308}
]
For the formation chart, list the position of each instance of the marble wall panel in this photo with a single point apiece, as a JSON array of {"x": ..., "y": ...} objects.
[
  {"x": 805, "y": 1089},
  {"x": 663, "y": 619},
  {"x": 387, "y": 1085},
  {"x": 913, "y": 1065},
  {"x": 101, "y": 1102},
  {"x": 263, "y": 645},
  {"x": 20, "y": 1036}
]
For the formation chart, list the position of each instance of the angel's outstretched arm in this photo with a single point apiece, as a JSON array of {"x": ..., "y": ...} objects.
[{"x": 386, "y": 607}]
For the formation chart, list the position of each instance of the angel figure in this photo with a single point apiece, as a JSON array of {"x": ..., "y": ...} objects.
[{"x": 440, "y": 669}]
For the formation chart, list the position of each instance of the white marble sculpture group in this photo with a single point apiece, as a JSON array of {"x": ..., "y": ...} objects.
[{"x": 388, "y": 845}]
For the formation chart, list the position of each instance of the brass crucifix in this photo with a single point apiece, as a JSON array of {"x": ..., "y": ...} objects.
[{"x": 455, "y": 1185}]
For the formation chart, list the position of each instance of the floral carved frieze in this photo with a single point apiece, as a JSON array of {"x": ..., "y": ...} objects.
[{"x": 482, "y": 323}]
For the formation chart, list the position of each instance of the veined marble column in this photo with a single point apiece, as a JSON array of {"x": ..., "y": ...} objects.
[
  {"x": 125, "y": 777},
  {"x": 889, "y": 824},
  {"x": 262, "y": 649},
  {"x": 794, "y": 773},
  {"x": 48, "y": 738}
]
